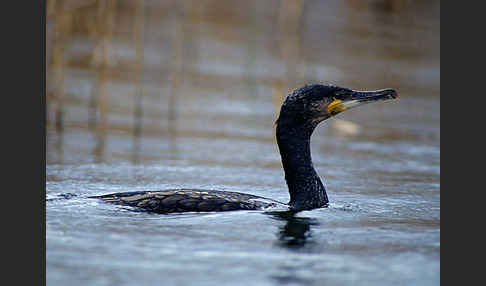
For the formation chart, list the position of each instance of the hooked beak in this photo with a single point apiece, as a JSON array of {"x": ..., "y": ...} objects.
[{"x": 352, "y": 98}]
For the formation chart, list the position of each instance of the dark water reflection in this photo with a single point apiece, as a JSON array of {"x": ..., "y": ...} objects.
[{"x": 296, "y": 232}]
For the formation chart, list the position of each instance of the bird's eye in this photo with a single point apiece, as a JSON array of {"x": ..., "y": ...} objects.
[{"x": 339, "y": 94}]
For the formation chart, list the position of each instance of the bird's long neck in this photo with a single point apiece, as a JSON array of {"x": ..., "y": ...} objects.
[{"x": 305, "y": 187}]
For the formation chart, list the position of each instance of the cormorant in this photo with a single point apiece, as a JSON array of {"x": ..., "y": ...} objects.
[{"x": 299, "y": 115}]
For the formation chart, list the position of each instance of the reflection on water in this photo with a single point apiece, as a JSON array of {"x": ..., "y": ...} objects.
[
  {"x": 99, "y": 149},
  {"x": 297, "y": 230},
  {"x": 149, "y": 95},
  {"x": 136, "y": 150}
]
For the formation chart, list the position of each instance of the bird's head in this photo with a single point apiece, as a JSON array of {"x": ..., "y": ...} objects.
[{"x": 312, "y": 104}]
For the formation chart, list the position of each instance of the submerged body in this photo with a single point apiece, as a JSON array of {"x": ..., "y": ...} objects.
[
  {"x": 192, "y": 200},
  {"x": 300, "y": 114}
]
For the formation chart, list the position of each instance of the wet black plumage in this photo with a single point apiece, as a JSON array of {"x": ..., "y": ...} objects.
[
  {"x": 190, "y": 200},
  {"x": 299, "y": 115}
]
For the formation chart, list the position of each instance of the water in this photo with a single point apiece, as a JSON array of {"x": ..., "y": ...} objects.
[
  {"x": 382, "y": 226},
  {"x": 380, "y": 164}
]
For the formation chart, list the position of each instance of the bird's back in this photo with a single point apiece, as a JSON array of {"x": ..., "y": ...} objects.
[{"x": 190, "y": 200}]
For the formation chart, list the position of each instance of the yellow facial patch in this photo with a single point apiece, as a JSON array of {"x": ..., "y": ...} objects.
[{"x": 335, "y": 107}]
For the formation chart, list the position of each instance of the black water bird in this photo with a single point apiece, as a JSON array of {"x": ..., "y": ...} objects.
[{"x": 299, "y": 115}]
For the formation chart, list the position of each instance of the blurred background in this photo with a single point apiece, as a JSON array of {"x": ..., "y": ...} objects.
[{"x": 119, "y": 71}]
